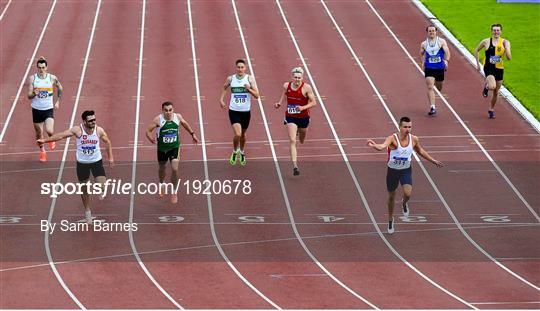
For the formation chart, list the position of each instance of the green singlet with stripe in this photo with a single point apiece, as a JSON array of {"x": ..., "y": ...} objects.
[{"x": 167, "y": 132}]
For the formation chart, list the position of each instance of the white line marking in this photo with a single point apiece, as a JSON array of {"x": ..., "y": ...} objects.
[
  {"x": 64, "y": 155},
  {"x": 134, "y": 163},
  {"x": 281, "y": 276},
  {"x": 280, "y": 177},
  {"x": 456, "y": 115},
  {"x": 506, "y": 303},
  {"x": 242, "y": 243},
  {"x": 208, "y": 197},
  {"x": 470, "y": 171},
  {"x": 5, "y": 9},
  {"x": 347, "y": 163},
  {"x": 23, "y": 80},
  {"x": 428, "y": 176},
  {"x": 514, "y": 102}
]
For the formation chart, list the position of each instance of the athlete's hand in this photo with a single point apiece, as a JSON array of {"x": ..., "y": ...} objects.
[
  {"x": 247, "y": 86},
  {"x": 222, "y": 104},
  {"x": 445, "y": 64},
  {"x": 277, "y": 105},
  {"x": 370, "y": 143},
  {"x": 111, "y": 162},
  {"x": 36, "y": 91},
  {"x": 195, "y": 139},
  {"x": 151, "y": 139},
  {"x": 438, "y": 163},
  {"x": 57, "y": 105},
  {"x": 40, "y": 141}
]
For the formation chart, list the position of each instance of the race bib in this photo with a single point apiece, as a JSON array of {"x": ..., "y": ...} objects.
[
  {"x": 88, "y": 151},
  {"x": 240, "y": 99},
  {"x": 293, "y": 109},
  {"x": 43, "y": 93},
  {"x": 495, "y": 59},
  {"x": 434, "y": 59},
  {"x": 170, "y": 138},
  {"x": 400, "y": 161}
]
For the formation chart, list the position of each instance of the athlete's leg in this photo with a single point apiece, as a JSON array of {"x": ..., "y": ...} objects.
[
  {"x": 491, "y": 83},
  {"x": 292, "y": 129},
  {"x": 438, "y": 85},
  {"x": 498, "y": 85},
  {"x": 242, "y": 139},
  {"x": 162, "y": 171},
  {"x": 85, "y": 197},
  {"x": 430, "y": 82},
  {"x": 237, "y": 131},
  {"x": 391, "y": 202},
  {"x": 407, "y": 191},
  {"x": 174, "y": 171},
  {"x": 49, "y": 126},
  {"x": 302, "y": 132}
]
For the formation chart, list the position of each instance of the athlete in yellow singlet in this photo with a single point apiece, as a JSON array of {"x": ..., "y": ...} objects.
[{"x": 496, "y": 49}]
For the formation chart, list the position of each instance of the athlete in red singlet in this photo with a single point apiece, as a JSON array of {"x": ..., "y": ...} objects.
[{"x": 300, "y": 99}]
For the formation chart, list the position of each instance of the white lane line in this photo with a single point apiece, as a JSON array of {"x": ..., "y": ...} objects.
[
  {"x": 23, "y": 80},
  {"x": 282, "y": 183},
  {"x": 350, "y": 169},
  {"x": 428, "y": 176},
  {"x": 64, "y": 155},
  {"x": 247, "y": 242},
  {"x": 134, "y": 164},
  {"x": 5, "y": 9},
  {"x": 458, "y": 118},
  {"x": 208, "y": 197},
  {"x": 506, "y": 303}
]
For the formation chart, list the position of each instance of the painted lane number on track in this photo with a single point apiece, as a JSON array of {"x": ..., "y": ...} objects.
[
  {"x": 413, "y": 218},
  {"x": 495, "y": 218},
  {"x": 171, "y": 218},
  {"x": 251, "y": 219},
  {"x": 9, "y": 220},
  {"x": 327, "y": 218}
]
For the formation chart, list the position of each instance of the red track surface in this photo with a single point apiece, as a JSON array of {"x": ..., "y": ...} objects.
[{"x": 100, "y": 269}]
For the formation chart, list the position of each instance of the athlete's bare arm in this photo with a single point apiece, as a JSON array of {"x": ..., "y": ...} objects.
[
  {"x": 188, "y": 128},
  {"x": 423, "y": 153},
  {"x": 32, "y": 92},
  {"x": 224, "y": 91},
  {"x": 388, "y": 142},
  {"x": 311, "y": 98},
  {"x": 422, "y": 52},
  {"x": 278, "y": 103},
  {"x": 103, "y": 136},
  {"x": 507, "y": 52},
  {"x": 150, "y": 130},
  {"x": 59, "y": 89},
  {"x": 446, "y": 50},
  {"x": 480, "y": 47},
  {"x": 74, "y": 131},
  {"x": 252, "y": 87}
]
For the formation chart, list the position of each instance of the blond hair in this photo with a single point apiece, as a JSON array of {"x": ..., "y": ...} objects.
[{"x": 297, "y": 70}]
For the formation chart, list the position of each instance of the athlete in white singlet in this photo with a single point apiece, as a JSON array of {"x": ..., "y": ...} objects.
[
  {"x": 400, "y": 150},
  {"x": 41, "y": 92},
  {"x": 89, "y": 159}
]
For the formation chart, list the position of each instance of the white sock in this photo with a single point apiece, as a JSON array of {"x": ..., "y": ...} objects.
[
  {"x": 433, "y": 106},
  {"x": 241, "y": 151},
  {"x": 236, "y": 150},
  {"x": 88, "y": 215}
]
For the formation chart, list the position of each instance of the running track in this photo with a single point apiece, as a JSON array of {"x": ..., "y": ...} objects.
[{"x": 308, "y": 242}]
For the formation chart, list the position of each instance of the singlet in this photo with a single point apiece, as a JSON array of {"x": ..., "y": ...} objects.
[
  {"x": 88, "y": 147},
  {"x": 167, "y": 133},
  {"x": 295, "y": 98},
  {"x": 400, "y": 158},
  {"x": 494, "y": 55},
  {"x": 434, "y": 54},
  {"x": 240, "y": 97},
  {"x": 44, "y": 99}
]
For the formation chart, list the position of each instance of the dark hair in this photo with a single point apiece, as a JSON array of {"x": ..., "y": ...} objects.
[
  {"x": 429, "y": 26},
  {"x": 496, "y": 25},
  {"x": 404, "y": 119},
  {"x": 41, "y": 60},
  {"x": 87, "y": 113},
  {"x": 167, "y": 103},
  {"x": 240, "y": 61}
]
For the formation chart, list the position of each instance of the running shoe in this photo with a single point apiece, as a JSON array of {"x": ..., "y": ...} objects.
[
  {"x": 52, "y": 145},
  {"x": 491, "y": 114},
  {"x": 174, "y": 198},
  {"x": 432, "y": 111},
  {"x": 232, "y": 159},
  {"x": 391, "y": 226},
  {"x": 296, "y": 172},
  {"x": 42, "y": 156},
  {"x": 485, "y": 92},
  {"x": 242, "y": 159},
  {"x": 405, "y": 209}
]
